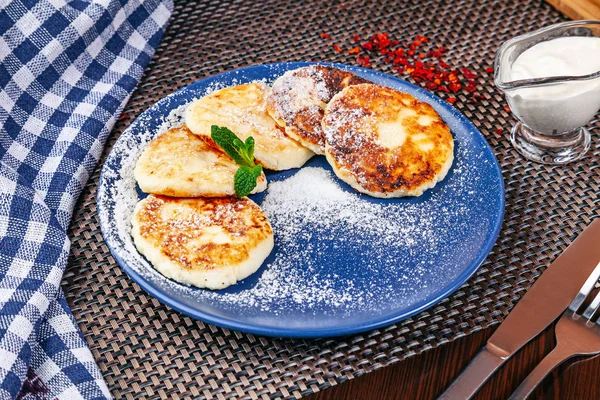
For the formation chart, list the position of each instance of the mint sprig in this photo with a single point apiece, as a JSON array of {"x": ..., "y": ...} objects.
[{"x": 243, "y": 155}]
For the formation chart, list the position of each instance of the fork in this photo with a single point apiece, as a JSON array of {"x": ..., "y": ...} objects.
[{"x": 576, "y": 335}]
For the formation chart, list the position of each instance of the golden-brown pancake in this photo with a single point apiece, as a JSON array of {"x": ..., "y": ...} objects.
[
  {"x": 299, "y": 97},
  {"x": 180, "y": 164},
  {"x": 386, "y": 143},
  {"x": 242, "y": 109},
  {"x": 205, "y": 242}
]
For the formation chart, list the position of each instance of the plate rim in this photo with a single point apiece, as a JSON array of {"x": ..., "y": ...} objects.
[{"x": 350, "y": 329}]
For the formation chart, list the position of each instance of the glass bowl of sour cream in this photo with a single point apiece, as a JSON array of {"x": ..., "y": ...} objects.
[{"x": 551, "y": 80}]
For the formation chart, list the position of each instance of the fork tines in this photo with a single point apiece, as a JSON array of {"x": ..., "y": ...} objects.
[{"x": 584, "y": 292}]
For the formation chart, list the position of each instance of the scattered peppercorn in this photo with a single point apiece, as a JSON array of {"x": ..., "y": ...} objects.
[
  {"x": 499, "y": 131},
  {"x": 454, "y": 87},
  {"x": 419, "y": 59},
  {"x": 363, "y": 61},
  {"x": 470, "y": 88},
  {"x": 467, "y": 74}
]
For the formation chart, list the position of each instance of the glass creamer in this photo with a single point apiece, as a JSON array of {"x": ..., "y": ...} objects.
[{"x": 551, "y": 79}]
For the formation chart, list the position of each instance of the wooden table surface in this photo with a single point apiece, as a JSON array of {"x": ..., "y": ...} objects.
[
  {"x": 425, "y": 376},
  {"x": 578, "y": 9}
]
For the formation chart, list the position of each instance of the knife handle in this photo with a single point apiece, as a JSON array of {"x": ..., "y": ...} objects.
[{"x": 479, "y": 370}]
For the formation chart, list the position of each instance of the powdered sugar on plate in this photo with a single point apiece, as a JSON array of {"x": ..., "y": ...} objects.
[{"x": 338, "y": 254}]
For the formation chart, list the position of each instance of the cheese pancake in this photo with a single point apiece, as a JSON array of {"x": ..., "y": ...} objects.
[
  {"x": 299, "y": 97},
  {"x": 205, "y": 242},
  {"x": 180, "y": 164},
  {"x": 386, "y": 143},
  {"x": 242, "y": 109}
]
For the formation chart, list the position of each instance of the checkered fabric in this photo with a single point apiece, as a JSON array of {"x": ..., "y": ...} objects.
[{"x": 67, "y": 69}]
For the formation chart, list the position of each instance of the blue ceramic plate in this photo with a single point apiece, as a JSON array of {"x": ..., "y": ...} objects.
[{"x": 343, "y": 262}]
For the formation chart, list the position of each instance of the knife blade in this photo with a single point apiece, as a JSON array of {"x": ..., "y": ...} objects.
[{"x": 546, "y": 300}]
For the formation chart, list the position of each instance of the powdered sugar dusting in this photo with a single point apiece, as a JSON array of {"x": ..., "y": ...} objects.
[
  {"x": 336, "y": 252},
  {"x": 302, "y": 90},
  {"x": 313, "y": 198}
]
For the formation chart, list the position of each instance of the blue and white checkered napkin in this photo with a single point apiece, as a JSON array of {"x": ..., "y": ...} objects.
[{"x": 67, "y": 68}]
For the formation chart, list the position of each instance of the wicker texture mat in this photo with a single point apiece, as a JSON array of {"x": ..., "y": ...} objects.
[{"x": 147, "y": 350}]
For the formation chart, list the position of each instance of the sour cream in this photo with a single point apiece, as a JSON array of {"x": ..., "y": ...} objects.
[
  {"x": 563, "y": 106},
  {"x": 565, "y": 56}
]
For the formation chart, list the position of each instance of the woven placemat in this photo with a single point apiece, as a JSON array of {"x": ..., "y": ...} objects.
[{"x": 147, "y": 350}]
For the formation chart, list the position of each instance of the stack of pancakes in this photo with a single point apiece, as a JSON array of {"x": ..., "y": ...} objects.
[{"x": 382, "y": 142}]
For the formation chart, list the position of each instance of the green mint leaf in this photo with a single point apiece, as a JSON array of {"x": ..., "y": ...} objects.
[
  {"x": 243, "y": 155},
  {"x": 245, "y": 179},
  {"x": 237, "y": 142},
  {"x": 250, "y": 147},
  {"x": 231, "y": 145},
  {"x": 256, "y": 171},
  {"x": 244, "y": 151}
]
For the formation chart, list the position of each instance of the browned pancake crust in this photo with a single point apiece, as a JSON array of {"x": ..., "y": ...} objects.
[
  {"x": 349, "y": 125},
  {"x": 178, "y": 227},
  {"x": 305, "y": 121}
]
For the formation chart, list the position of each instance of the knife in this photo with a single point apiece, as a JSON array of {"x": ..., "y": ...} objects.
[{"x": 545, "y": 301}]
